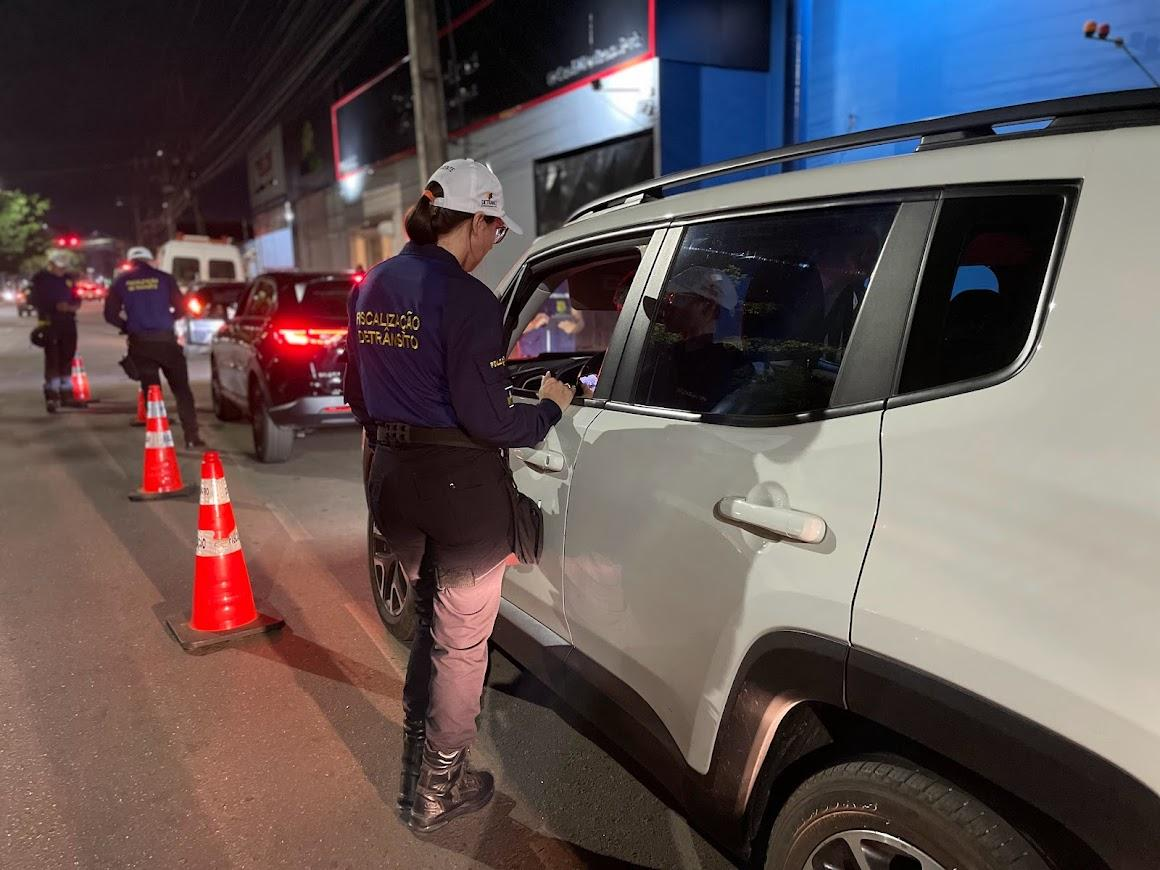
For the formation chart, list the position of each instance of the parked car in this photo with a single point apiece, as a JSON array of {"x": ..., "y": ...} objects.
[
  {"x": 208, "y": 305},
  {"x": 24, "y": 308},
  {"x": 90, "y": 291},
  {"x": 851, "y": 548},
  {"x": 193, "y": 258},
  {"x": 280, "y": 359}
]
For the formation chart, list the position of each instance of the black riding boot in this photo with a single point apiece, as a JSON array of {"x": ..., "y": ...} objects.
[
  {"x": 414, "y": 739},
  {"x": 448, "y": 789},
  {"x": 51, "y": 400}
]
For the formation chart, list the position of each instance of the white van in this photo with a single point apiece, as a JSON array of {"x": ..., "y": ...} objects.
[{"x": 200, "y": 258}]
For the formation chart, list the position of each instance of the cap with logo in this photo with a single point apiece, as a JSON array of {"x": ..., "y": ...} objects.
[
  {"x": 139, "y": 253},
  {"x": 706, "y": 282},
  {"x": 471, "y": 187}
]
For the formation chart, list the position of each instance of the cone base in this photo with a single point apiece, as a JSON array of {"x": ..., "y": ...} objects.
[
  {"x": 192, "y": 639},
  {"x": 141, "y": 495}
]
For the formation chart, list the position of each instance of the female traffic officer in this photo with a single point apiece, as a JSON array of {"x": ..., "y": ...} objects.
[{"x": 426, "y": 378}]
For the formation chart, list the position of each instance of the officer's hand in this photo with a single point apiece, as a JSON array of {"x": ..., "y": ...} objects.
[{"x": 558, "y": 392}]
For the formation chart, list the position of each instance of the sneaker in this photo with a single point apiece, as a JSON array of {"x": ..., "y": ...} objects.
[{"x": 193, "y": 442}]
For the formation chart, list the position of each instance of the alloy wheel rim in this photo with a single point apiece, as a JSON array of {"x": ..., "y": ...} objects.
[
  {"x": 869, "y": 850},
  {"x": 389, "y": 581}
]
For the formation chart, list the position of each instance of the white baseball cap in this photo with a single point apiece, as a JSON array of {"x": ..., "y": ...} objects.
[
  {"x": 60, "y": 259},
  {"x": 471, "y": 187},
  {"x": 139, "y": 253},
  {"x": 706, "y": 282}
]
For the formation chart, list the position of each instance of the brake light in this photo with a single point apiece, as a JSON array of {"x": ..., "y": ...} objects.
[
  {"x": 195, "y": 306},
  {"x": 310, "y": 337}
]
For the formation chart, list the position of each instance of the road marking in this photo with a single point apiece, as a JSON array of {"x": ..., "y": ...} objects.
[
  {"x": 374, "y": 632},
  {"x": 294, "y": 529}
]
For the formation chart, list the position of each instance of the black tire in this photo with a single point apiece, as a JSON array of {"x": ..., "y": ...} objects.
[
  {"x": 223, "y": 408},
  {"x": 900, "y": 815},
  {"x": 272, "y": 443},
  {"x": 389, "y": 588}
]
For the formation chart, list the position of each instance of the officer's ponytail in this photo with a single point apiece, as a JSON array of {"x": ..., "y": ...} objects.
[{"x": 426, "y": 222}]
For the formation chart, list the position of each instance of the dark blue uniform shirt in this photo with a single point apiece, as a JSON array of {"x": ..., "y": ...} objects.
[
  {"x": 425, "y": 347},
  {"x": 47, "y": 290},
  {"x": 146, "y": 295}
]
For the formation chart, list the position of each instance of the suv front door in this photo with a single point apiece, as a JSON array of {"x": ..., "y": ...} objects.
[
  {"x": 728, "y": 489},
  {"x": 564, "y": 318}
]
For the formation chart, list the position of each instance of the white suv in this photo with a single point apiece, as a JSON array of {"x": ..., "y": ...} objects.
[{"x": 853, "y": 547}]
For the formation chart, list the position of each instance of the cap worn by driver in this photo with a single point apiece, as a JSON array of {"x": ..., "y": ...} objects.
[
  {"x": 471, "y": 187},
  {"x": 139, "y": 253},
  {"x": 706, "y": 282},
  {"x": 60, "y": 260}
]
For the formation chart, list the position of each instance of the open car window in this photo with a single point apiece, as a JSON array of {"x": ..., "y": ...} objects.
[{"x": 565, "y": 316}]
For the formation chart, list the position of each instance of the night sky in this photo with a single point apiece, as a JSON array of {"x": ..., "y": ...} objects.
[{"x": 87, "y": 86}]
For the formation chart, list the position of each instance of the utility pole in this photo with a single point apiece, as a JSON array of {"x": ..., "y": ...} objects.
[{"x": 426, "y": 87}]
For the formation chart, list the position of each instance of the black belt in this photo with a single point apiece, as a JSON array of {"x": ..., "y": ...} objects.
[{"x": 400, "y": 434}]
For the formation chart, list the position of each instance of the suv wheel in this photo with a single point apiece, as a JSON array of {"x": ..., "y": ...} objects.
[
  {"x": 886, "y": 812},
  {"x": 223, "y": 408},
  {"x": 389, "y": 587},
  {"x": 272, "y": 443}
]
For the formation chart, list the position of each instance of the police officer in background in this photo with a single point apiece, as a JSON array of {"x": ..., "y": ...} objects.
[
  {"x": 426, "y": 378},
  {"x": 53, "y": 296},
  {"x": 149, "y": 299}
]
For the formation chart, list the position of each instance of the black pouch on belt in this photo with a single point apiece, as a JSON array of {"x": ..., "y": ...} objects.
[
  {"x": 527, "y": 523},
  {"x": 130, "y": 368}
]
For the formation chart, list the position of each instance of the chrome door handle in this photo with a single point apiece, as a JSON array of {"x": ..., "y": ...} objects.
[
  {"x": 783, "y": 521},
  {"x": 546, "y": 460}
]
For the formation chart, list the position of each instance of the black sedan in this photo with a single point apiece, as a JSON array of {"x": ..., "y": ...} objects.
[{"x": 280, "y": 359}]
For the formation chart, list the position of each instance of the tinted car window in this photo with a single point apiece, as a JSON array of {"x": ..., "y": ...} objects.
[
  {"x": 261, "y": 301},
  {"x": 981, "y": 287},
  {"x": 186, "y": 269},
  {"x": 756, "y": 313},
  {"x": 325, "y": 299},
  {"x": 222, "y": 270}
]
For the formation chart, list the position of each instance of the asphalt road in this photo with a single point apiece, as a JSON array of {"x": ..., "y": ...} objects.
[{"x": 119, "y": 750}]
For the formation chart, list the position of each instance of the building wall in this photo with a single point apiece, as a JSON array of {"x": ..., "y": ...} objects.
[
  {"x": 872, "y": 63},
  {"x": 625, "y": 104}
]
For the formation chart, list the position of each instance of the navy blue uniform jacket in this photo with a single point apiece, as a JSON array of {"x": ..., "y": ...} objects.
[
  {"x": 147, "y": 295},
  {"x": 47, "y": 290},
  {"x": 425, "y": 347}
]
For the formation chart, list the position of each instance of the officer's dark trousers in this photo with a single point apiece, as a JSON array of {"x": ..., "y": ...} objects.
[
  {"x": 59, "y": 351},
  {"x": 153, "y": 356},
  {"x": 446, "y": 515}
]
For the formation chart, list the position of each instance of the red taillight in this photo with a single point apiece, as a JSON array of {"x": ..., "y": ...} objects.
[
  {"x": 310, "y": 337},
  {"x": 195, "y": 306},
  {"x": 358, "y": 277}
]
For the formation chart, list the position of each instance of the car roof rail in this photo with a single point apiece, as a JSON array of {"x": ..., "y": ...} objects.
[{"x": 1104, "y": 111}]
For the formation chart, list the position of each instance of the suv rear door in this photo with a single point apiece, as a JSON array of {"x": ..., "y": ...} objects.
[{"x": 748, "y": 400}]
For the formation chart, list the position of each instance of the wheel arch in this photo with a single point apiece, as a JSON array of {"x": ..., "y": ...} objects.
[{"x": 801, "y": 702}]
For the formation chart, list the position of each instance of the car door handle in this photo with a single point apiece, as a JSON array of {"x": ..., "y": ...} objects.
[
  {"x": 546, "y": 460},
  {"x": 783, "y": 521}
]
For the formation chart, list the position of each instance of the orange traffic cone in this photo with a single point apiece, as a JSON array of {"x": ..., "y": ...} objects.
[
  {"x": 140, "y": 421},
  {"x": 80, "y": 381},
  {"x": 223, "y": 601},
  {"x": 161, "y": 477}
]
